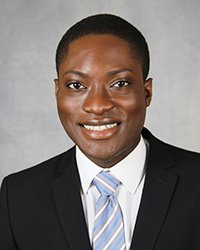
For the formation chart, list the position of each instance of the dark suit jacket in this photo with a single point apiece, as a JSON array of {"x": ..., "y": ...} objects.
[{"x": 41, "y": 209}]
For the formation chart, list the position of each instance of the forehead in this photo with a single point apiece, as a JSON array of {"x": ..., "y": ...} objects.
[
  {"x": 110, "y": 38},
  {"x": 98, "y": 42},
  {"x": 105, "y": 48}
]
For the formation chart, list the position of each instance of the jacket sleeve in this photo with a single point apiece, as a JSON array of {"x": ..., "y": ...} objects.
[{"x": 6, "y": 237}]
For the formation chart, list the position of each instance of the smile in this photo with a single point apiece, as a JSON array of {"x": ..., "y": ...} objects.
[{"x": 100, "y": 127}]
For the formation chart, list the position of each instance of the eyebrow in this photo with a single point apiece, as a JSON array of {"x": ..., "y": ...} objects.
[
  {"x": 118, "y": 71},
  {"x": 76, "y": 72},
  {"x": 111, "y": 73}
]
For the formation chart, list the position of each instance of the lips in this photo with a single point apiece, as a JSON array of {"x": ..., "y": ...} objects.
[{"x": 100, "y": 127}]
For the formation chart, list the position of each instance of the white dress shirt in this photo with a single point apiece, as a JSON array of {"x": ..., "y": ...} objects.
[{"x": 130, "y": 171}]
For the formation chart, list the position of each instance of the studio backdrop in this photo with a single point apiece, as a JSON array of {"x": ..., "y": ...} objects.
[{"x": 30, "y": 130}]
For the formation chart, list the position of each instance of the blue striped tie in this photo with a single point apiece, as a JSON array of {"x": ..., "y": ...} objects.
[{"x": 108, "y": 231}]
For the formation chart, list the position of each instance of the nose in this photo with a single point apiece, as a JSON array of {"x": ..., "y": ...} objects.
[{"x": 98, "y": 102}]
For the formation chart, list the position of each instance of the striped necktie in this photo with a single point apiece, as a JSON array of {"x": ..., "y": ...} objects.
[{"x": 108, "y": 231}]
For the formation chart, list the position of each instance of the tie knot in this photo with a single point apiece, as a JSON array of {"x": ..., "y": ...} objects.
[{"x": 106, "y": 183}]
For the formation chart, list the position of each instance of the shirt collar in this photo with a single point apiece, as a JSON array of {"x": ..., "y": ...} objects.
[{"x": 129, "y": 171}]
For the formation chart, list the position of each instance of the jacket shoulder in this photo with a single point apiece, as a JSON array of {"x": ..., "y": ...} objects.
[
  {"x": 44, "y": 170},
  {"x": 162, "y": 152},
  {"x": 183, "y": 155}
]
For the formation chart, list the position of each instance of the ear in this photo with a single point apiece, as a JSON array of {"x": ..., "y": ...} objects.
[
  {"x": 148, "y": 91},
  {"x": 56, "y": 87}
]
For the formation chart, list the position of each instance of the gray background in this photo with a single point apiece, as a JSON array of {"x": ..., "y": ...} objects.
[{"x": 29, "y": 33}]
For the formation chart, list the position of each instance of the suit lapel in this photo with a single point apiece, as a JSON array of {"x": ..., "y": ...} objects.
[
  {"x": 158, "y": 192},
  {"x": 156, "y": 198},
  {"x": 66, "y": 189}
]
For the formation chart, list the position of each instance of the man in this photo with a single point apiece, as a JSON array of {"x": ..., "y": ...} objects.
[{"x": 102, "y": 93}]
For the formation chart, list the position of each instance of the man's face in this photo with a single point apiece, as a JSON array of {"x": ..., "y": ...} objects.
[{"x": 102, "y": 97}]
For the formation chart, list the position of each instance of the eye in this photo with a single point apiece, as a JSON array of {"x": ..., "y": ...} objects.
[
  {"x": 75, "y": 85},
  {"x": 120, "y": 84}
]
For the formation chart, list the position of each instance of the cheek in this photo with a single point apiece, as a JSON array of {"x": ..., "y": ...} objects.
[
  {"x": 66, "y": 110},
  {"x": 134, "y": 107},
  {"x": 68, "y": 105},
  {"x": 68, "y": 117},
  {"x": 134, "y": 118}
]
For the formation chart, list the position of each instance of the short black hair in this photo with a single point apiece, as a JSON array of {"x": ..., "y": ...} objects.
[{"x": 106, "y": 24}]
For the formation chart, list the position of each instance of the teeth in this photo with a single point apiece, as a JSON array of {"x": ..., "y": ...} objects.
[{"x": 100, "y": 128}]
